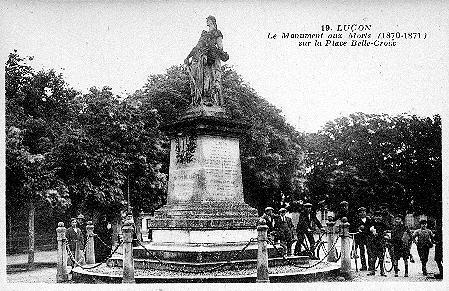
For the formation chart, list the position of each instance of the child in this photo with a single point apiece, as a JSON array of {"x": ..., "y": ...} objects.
[
  {"x": 376, "y": 244},
  {"x": 400, "y": 236},
  {"x": 424, "y": 241}
]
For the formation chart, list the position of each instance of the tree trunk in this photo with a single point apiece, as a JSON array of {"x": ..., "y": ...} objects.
[{"x": 31, "y": 214}]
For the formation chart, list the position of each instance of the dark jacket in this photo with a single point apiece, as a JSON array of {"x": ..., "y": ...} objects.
[
  {"x": 362, "y": 229},
  {"x": 378, "y": 239},
  {"x": 73, "y": 237},
  {"x": 307, "y": 222},
  {"x": 284, "y": 228}
]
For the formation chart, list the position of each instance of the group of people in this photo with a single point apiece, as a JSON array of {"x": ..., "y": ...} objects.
[
  {"x": 372, "y": 235},
  {"x": 385, "y": 231},
  {"x": 76, "y": 234},
  {"x": 281, "y": 228}
]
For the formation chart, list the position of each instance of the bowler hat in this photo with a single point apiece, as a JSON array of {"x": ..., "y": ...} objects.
[
  {"x": 80, "y": 216},
  {"x": 344, "y": 202},
  {"x": 423, "y": 221},
  {"x": 361, "y": 209},
  {"x": 282, "y": 210},
  {"x": 307, "y": 204},
  {"x": 269, "y": 208}
]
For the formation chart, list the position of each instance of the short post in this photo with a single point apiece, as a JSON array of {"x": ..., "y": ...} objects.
[
  {"x": 128, "y": 262},
  {"x": 61, "y": 273},
  {"x": 345, "y": 248},
  {"x": 331, "y": 257},
  {"x": 262, "y": 253},
  {"x": 90, "y": 249}
]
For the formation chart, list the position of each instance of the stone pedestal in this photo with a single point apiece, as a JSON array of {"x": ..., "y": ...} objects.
[{"x": 205, "y": 204}]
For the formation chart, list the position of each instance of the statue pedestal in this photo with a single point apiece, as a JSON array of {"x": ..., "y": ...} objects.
[{"x": 205, "y": 205}]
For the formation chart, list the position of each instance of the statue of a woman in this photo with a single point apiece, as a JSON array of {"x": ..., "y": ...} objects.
[{"x": 204, "y": 65}]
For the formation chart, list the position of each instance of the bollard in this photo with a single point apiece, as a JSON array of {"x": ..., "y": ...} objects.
[
  {"x": 262, "y": 253},
  {"x": 61, "y": 273},
  {"x": 128, "y": 262},
  {"x": 332, "y": 256},
  {"x": 90, "y": 249},
  {"x": 345, "y": 248}
]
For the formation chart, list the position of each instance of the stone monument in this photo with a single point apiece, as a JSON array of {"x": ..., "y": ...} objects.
[{"x": 205, "y": 218}]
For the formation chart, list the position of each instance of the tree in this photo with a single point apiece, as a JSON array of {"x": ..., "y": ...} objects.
[
  {"x": 31, "y": 127},
  {"x": 370, "y": 159},
  {"x": 112, "y": 146}
]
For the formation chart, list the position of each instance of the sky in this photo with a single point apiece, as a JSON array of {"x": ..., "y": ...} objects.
[{"x": 119, "y": 44}]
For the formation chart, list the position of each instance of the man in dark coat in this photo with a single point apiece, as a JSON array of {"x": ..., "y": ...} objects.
[
  {"x": 103, "y": 243},
  {"x": 74, "y": 236},
  {"x": 362, "y": 225},
  {"x": 284, "y": 228},
  {"x": 269, "y": 221},
  {"x": 376, "y": 244},
  {"x": 400, "y": 236},
  {"x": 82, "y": 225},
  {"x": 305, "y": 228}
]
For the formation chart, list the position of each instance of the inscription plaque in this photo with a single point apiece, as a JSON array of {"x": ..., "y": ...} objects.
[{"x": 214, "y": 174}]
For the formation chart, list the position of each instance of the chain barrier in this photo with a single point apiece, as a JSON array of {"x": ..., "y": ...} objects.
[
  {"x": 310, "y": 266},
  {"x": 96, "y": 236},
  {"x": 72, "y": 257},
  {"x": 229, "y": 261}
]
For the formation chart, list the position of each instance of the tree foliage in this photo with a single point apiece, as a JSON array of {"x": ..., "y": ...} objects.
[
  {"x": 371, "y": 159},
  {"x": 111, "y": 145},
  {"x": 36, "y": 105},
  {"x": 82, "y": 151}
]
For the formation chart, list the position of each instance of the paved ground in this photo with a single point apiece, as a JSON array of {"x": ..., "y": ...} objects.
[
  {"x": 48, "y": 274},
  {"x": 415, "y": 274},
  {"x": 40, "y": 257}
]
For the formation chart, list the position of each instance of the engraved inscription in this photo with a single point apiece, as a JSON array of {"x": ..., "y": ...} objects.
[{"x": 221, "y": 157}]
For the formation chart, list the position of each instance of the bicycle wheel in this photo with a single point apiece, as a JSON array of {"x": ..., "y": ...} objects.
[
  {"x": 321, "y": 250},
  {"x": 388, "y": 261},
  {"x": 337, "y": 253},
  {"x": 377, "y": 264}
]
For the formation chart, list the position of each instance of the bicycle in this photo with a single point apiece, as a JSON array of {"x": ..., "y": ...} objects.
[
  {"x": 388, "y": 260},
  {"x": 322, "y": 249}
]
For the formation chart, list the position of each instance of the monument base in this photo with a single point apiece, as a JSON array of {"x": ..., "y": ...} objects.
[{"x": 203, "y": 236}]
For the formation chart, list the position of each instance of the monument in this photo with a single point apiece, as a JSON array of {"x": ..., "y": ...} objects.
[
  {"x": 206, "y": 226},
  {"x": 205, "y": 218}
]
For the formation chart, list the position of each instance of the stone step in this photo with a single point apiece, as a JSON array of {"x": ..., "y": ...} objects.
[
  {"x": 208, "y": 266},
  {"x": 202, "y": 223}
]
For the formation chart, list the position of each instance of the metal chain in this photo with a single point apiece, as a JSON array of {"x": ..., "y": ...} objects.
[
  {"x": 229, "y": 261},
  {"x": 98, "y": 237},
  {"x": 97, "y": 264}
]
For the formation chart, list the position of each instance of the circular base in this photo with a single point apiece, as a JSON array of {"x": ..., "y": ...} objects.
[{"x": 280, "y": 274}]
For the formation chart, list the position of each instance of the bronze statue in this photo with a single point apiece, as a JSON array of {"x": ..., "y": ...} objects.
[{"x": 204, "y": 66}]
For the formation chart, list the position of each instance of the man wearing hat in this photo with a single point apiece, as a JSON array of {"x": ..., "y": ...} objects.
[
  {"x": 387, "y": 217},
  {"x": 74, "y": 236},
  {"x": 400, "y": 235},
  {"x": 306, "y": 226},
  {"x": 362, "y": 224},
  {"x": 376, "y": 244},
  {"x": 82, "y": 225},
  {"x": 284, "y": 228},
  {"x": 343, "y": 210},
  {"x": 424, "y": 241},
  {"x": 268, "y": 216}
]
